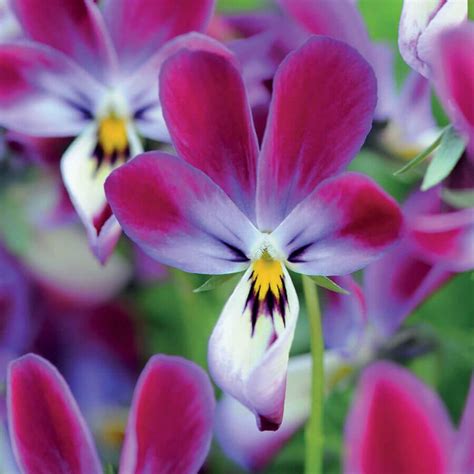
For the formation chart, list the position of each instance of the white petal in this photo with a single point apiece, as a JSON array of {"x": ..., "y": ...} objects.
[{"x": 249, "y": 361}]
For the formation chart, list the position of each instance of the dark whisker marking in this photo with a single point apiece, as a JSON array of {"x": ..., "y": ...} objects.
[{"x": 296, "y": 255}]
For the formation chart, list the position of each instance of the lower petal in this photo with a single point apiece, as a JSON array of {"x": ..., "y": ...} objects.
[{"x": 250, "y": 345}]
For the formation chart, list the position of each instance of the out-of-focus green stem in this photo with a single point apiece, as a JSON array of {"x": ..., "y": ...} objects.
[{"x": 314, "y": 437}]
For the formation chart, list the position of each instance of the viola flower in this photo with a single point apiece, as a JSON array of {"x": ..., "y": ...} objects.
[
  {"x": 393, "y": 408},
  {"x": 223, "y": 207},
  {"x": 420, "y": 24},
  {"x": 169, "y": 426},
  {"x": 93, "y": 77},
  {"x": 453, "y": 78}
]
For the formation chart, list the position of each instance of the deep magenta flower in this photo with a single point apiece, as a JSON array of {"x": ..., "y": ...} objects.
[
  {"x": 225, "y": 207},
  {"x": 92, "y": 76},
  {"x": 169, "y": 426},
  {"x": 398, "y": 424}
]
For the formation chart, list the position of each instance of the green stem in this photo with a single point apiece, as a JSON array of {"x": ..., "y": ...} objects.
[{"x": 314, "y": 437}]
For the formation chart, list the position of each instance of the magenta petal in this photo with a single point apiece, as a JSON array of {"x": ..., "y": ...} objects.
[
  {"x": 47, "y": 430},
  {"x": 464, "y": 452},
  {"x": 205, "y": 107},
  {"x": 396, "y": 425},
  {"x": 346, "y": 223},
  {"x": 453, "y": 75},
  {"x": 170, "y": 423},
  {"x": 140, "y": 27},
  {"x": 74, "y": 27},
  {"x": 396, "y": 284},
  {"x": 324, "y": 96},
  {"x": 179, "y": 216},
  {"x": 42, "y": 92}
]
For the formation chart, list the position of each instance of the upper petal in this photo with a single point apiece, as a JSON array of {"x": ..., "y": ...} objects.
[
  {"x": 396, "y": 424},
  {"x": 179, "y": 216},
  {"x": 420, "y": 22},
  {"x": 42, "y": 92},
  {"x": 140, "y": 27},
  {"x": 324, "y": 96},
  {"x": 170, "y": 424},
  {"x": 47, "y": 430},
  {"x": 206, "y": 109},
  {"x": 250, "y": 345},
  {"x": 453, "y": 76},
  {"x": 74, "y": 27},
  {"x": 343, "y": 225}
]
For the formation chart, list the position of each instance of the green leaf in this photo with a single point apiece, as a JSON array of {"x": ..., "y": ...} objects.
[
  {"x": 444, "y": 160},
  {"x": 459, "y": 198},
  {"x": 327, "y": 283},
  {"x": 214, "y": 282},
  {"x": 423, "y": 155}
]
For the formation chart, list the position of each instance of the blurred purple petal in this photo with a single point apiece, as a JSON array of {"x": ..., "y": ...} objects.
[{"x": 464, "y": 451}]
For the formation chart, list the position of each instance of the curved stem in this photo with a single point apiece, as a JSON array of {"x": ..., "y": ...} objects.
[{"x": 314, "y": 437}]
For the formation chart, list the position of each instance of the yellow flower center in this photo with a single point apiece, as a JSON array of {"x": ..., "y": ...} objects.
[
  {"x": 113, "y": 136},
  {"x": 267, "y": 277}
]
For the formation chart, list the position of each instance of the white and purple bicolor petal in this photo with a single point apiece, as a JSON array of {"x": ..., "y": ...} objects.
[
  {"x": 170, "y": 423},
  {"x": 396, "y": 424},
  {"x": 453, "y": 77},
  {"x": 225, "y": 208},
  {"x": 420, "y": 23},
  {"x": 47, "y": 430}
]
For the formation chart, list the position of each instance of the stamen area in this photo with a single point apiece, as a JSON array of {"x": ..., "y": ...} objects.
[{"x": 112, "y": 140}]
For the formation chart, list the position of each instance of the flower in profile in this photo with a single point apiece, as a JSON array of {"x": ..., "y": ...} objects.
[
  {"x": 420, "y": 24},
  {"x": 225, "y": 207},
  {"x": 169, "y": 426},
  {"x": 92, "y": 77},
  {"x": 398, "y": 424}
]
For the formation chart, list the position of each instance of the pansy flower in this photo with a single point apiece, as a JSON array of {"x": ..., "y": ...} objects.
[
  {"x": 225, "y": 207},
  {"x": 92, "y": 76},
  {"x": 169, "y": 425},
  {"x": 398, "y": 424}
]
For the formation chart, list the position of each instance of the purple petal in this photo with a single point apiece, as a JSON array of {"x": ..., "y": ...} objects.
[
  {"x": 42, "y": 92},
  {"x": 47, "y": 430},
  {"x": 464, "y": 452},
  {"x": 396, "y": 424},
  {"x": 250, "y": 345},
  {"x": 75, "y": 28},
  {"x": 344, "y": 316},
  {"x": 240, "y": 438},
  {"x": 453, "y": 76},
  {"x": 179, "y": 216},
  {"x": 170, "y": 422},
  {"x": 206, "y": 109},
  {"x": 324, "y": 96},
  {"x": 346, "y": 223},
  {"x": 420, "y": 23},
  {"x": 137, "y": 36},
  {"x": 396, "y": 284}
]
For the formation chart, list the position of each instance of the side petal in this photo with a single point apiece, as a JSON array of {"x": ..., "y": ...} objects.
[
  {"x": 464, "y": 452},
  {"x": 179, "y": 216},
  {"x": 324, "y": 96},
  {"x": 250, "y": 345},
  {"x": 344, "y": 317},
  {"x": 75, "y": 28},
  {"x": 206, "y": 109},
  {"x": 43, "y": 93},
  {"x": 396, "y": 424},
  {"x": 396, "y": 284},
  {"x": 343, "y": 225},
  {"x": 47, "y": 430},
  {"x": 453, "y": 76},
  {"x": 420, "y": 22},
  {"x": 169, "y": 428},
  {"x": 84, "y": 175},
  {"x": 137, "y": 35}
]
